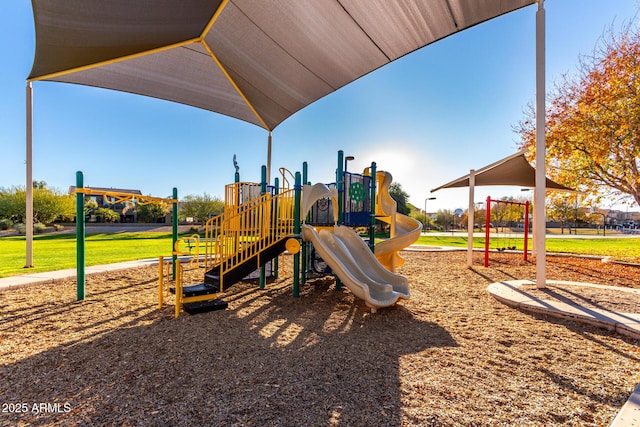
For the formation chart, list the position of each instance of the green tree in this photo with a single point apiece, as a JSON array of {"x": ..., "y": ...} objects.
[
  {"x": 48, "y": 205},
  {"x": 152, "y": 212},
  {"x": 401, "y": 197},
  {"x": 593, "y": 122},
  {"x": 90, "y": 205},
  {"x": 444, "y": 219},
  {"x": 40, "y": 185},
  {"x": 506, "y": 214},
  {"x": 200, "y": 208},
  {"x": 565, "y": 211}
]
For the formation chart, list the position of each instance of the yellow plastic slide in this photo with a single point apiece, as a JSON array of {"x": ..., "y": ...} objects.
[{"x": 404, "y": 229}]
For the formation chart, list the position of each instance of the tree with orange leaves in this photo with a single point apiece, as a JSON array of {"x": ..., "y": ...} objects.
[{"x": 593, "y": 122}]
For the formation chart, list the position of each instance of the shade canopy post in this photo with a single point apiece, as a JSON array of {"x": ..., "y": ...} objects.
[
  {"x": 28, "y": 220},
  {"x": 540, "y": 188},
  {"x": 269, "y": 144},
  {"x": 471, "y": 217}
]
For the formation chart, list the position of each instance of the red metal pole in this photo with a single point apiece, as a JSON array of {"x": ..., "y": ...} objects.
[
  {"x": 526, "y": 229},
  {"x": 486, "y": 233}
]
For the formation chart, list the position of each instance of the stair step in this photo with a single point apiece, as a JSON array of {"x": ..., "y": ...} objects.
[
  {"x": 196, "y": 290},
  {"x": 212, "y": 281},
  {"x": 205, "y": 306}
]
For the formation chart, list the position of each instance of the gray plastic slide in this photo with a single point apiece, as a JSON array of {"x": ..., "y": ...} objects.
[{"x": 352, "y": 261}]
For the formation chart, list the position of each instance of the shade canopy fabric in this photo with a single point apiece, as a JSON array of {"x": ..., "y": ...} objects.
[
  {"x": 255, "y": 60},
  {"x": 513, "y": 170}
]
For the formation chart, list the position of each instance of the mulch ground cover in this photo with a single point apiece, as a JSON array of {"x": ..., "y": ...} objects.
[{"x": 450, "y": 356}]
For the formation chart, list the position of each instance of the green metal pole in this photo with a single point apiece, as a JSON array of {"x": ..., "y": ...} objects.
[
  {"x": 372, "y": 225},
  {"x": 305, "y": 247},
  {"x": 80, "y": 235},
  {"x": 276, "y": 184},
  {"x": 263, "y": 191},
  {"x": 296, "y": 230},
  {"x": 340, "y": 185},
  {"x": 174, "y": 226}
]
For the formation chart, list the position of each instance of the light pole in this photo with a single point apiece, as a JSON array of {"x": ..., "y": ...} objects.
[
  {"x": 347, "y": 160},
  {"x": 425, "y": 207}
]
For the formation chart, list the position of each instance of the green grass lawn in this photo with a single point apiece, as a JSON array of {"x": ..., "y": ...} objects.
[
  {"x": 58, "y": 251},
  {"x": 624, "y": 249}
]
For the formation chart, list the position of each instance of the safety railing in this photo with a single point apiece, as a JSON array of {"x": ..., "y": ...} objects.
[{"x": 248, "y": 229}]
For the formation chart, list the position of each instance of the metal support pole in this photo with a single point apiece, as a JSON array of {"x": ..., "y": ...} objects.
[
  {"x": 80, "y": 236},
  {"x": 526, "y": 230},
  {"x": 28, "y": 220},
  {"x": 296, "y": 230},
  {"x": 269, "y": 143},
  {"x": 340, "y": 185},
  {"x": 305, "y": 245},
  {"x": 540, "y": 189},
  {"x": 372, "y": 197},
  {"x": 160, "y": 281},
  {"x": 276, "y": 183},
  {"x": 470, "y": 217},
  {"x": 174, "y": 227},
  {"x": 487, "y": 228},
  {"x": 263, "y": 212}
]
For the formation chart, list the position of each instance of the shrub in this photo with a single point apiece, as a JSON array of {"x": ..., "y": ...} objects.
[
  {"x": 107, "y": 215},
  {"x": 39, "y": 227},
  {"x": 5, "y": 224},
  {"x": 20, "y": 228},
  {"x": 58, "y": 227}
]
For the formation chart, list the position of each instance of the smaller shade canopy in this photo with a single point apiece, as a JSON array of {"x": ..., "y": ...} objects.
[{"x": 513, "y": 170}]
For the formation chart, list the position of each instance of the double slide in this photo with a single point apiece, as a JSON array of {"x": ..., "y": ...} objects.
[{"x": 351, "y": 259}]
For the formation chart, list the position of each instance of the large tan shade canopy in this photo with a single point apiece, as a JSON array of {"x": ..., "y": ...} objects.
[
  {"x": 259, "y": 61},
  {"x": 255, "y": 60}
]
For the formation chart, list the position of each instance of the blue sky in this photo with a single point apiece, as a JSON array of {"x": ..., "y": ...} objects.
[{"x": 428, "y": 118}]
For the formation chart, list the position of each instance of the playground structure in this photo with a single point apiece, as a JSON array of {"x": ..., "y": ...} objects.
[
  {"x": 260, "y": 222},
  {"x": 511, "y": 245}
]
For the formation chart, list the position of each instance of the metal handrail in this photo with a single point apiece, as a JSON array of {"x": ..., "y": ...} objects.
[{"x": 246, "y": 230}]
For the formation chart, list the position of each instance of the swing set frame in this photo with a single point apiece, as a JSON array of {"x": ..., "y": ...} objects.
[{"x": 488, "y": 226}]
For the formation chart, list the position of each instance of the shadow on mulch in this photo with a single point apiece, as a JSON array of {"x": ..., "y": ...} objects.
[{"x": 295, "y": 363}]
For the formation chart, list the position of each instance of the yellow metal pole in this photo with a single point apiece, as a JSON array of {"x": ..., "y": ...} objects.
[
  {"x": 178, "y": 288},
  {"x": 160, "y": 281}
]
